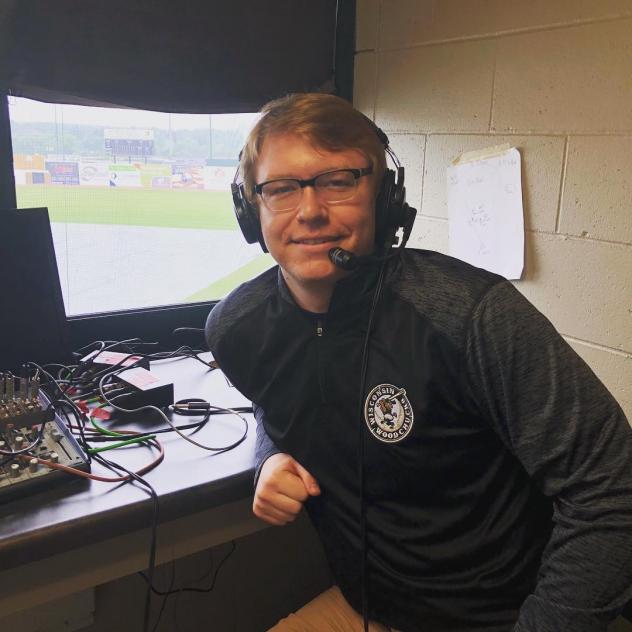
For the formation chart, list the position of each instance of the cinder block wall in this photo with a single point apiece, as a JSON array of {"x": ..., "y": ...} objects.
[{"x": 553, "y": 78}]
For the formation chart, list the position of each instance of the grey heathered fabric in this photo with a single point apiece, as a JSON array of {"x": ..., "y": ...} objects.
[
  {"x": 562, "y": 424},
  {"x": 573, "y": 439}
]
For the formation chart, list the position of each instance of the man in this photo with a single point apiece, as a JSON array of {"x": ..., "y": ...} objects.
[{"x": 499, "y": 495}]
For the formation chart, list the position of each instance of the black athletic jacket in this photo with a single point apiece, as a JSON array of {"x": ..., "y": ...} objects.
[{"x": 506, "y": 497}]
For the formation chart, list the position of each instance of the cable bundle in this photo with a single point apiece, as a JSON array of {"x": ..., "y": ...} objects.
[{"x": 85, "y": 395}]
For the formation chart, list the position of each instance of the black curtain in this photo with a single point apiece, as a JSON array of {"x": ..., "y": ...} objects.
[{"x": 169, "y": 55}]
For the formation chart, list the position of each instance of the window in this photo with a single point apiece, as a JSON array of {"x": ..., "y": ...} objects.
[{"x": 139, "y": 202}]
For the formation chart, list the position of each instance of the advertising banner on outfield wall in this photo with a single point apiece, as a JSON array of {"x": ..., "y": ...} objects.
[
  {"x": 32, "y": 162},
  {"x": 218, "y": 177},
  {"x": 63, "y": 172},
  {"x": 155, "y": 176},
  {"x": 94, "y": 173},
  {"x": 124, "y": 176}
]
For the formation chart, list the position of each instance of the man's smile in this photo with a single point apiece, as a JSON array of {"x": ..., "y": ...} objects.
[{"x": 316, "y": 241}]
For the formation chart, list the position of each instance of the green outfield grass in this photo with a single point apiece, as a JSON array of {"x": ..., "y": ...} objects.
[
  {"x": 138, "y": 207},
  {"x": 223, "y": 286}
]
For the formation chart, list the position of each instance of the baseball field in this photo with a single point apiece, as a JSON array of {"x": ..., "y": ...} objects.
[
  {"x": 156, "y": 208},
  {"x": 164, "y": 208}
]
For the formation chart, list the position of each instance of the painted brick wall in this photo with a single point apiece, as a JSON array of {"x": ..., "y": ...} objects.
[{"x": 553, "y": 78}]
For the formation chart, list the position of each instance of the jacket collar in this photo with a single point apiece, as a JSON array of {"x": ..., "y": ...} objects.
[{"x": 350, "y": 291}]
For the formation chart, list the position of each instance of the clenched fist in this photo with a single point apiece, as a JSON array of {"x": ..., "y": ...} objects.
[{"x": 283, "y": 486}]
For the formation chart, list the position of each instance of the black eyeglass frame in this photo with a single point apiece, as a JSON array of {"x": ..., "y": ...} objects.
[{"x": 311, "y": 182}]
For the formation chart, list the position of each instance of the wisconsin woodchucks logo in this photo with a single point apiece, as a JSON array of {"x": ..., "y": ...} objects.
[{"x": 388, "y": 413}]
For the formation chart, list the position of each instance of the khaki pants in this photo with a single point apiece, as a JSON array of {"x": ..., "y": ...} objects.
[{"x": 328, "y": 612}]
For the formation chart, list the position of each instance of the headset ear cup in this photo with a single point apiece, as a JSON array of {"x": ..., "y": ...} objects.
[
  {"x": 247, "y": 216},
  {"x": 382, "y": 207},
  {"x": 390, "y": 208}
]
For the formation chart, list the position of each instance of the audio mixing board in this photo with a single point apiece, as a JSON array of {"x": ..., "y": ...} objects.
[{"x": 31, "y": 434}]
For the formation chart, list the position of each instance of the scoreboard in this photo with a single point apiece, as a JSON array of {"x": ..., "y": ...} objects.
[{"x": 129, "y": 142}]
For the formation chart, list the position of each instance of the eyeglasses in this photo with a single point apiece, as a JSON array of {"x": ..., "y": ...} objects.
[{"x": 333, "y": 186}]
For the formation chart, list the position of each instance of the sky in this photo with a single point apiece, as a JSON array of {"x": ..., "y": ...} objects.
[{"x": 27, "y": 110}]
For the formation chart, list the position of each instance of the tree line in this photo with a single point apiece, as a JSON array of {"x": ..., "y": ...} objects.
[{"x": 88, "y": 141}]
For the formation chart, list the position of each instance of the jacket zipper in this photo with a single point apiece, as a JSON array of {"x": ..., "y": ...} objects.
[
  {"x": 319, "y": 334},
  {"x": 319, "y": 328}
]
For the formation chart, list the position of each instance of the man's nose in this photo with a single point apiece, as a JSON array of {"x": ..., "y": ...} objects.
[{"x": 311, "y": 208}]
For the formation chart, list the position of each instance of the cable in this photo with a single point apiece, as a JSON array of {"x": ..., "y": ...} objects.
[
  {"x": 106, "y": 346},
  {"x": 363, "y": 371},
  {"x": 178, "y": 591},
  {"x": 37, "y": 441},
  {"x": 169, "y": 422},
  {"x": 95, "y": 477},
  {"x": 129, "y": 476},
  {"x": 63, "y": 399},
  {"x": 152, "y": 546},
  {"x": 164, "y": 593},
  {"x": 166, "y": 597},
  {"x": 186, "y": 352}
]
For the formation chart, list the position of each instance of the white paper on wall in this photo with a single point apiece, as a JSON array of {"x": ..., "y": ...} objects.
[{"x": 486, "y": 225}]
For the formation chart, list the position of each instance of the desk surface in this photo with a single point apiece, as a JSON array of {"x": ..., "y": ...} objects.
[{"x": 189, "y": 480}]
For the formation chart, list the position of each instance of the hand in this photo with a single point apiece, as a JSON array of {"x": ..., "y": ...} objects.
[{"x": 283, "y": 486}]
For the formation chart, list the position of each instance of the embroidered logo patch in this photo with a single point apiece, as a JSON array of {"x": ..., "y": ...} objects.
[{"x": 388, "y": 413}]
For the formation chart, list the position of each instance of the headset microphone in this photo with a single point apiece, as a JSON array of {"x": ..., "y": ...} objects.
[
  {"x": 346, "y": 260},
  {"x": 343, "y": 259}
]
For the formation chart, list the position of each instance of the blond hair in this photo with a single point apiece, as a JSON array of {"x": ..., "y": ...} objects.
[{"x": 326, "y": 121}]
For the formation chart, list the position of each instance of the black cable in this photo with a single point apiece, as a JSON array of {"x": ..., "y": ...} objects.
[
  {"x": 52, "y": 364},
  {"x": 76, "y": 375},
  {"x": 215, "y": 574},
  {"x": 81, "y": 425},
  {"x": 40, "y": 435},
  {"x": 89, "y": 372},
  {"x": 166, "y": 597},
  {"x": 64, "y": 398},
  {"x": 66, "y": 401},
  {"x": 155, "y": 515},
  {"x": 168, "y": 421},
  {"x": 163, "y": 593},
  {"x": 363, "y": 371},
  {"x": 106, "y": 345},
  {"x": 121, "y": 366},
  {"x": 83, "y": 375},
  {"x": 96, "y": 342},
  {"x": 187, "y": 352},
  {"x": 115, "y": 467},
  {"x": 198, "y": 425}
]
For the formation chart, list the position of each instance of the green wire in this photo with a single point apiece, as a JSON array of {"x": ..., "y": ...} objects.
[
  {"x": 120, "y": 444},
  {"x": 103, "y": 430},
  {"x": 111, "y": 433}
]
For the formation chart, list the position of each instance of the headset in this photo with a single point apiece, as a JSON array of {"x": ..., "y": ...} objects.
[{"x": 392, "y": 213}]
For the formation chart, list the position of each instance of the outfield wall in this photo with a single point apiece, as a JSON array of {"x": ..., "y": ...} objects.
[{"x": 155, "y": 174}]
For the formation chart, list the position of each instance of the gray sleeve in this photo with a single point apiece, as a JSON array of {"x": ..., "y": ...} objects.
[
  {"x": 264, "y": 447},
  {"x": 575, "y": 443}
]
